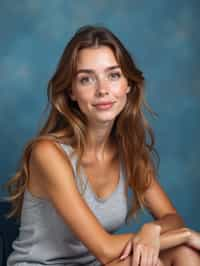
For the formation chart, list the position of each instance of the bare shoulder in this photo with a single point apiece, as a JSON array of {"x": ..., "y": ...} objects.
[
  {"x": 44, "y": 148},
  {"x": 46, "y": 155}
]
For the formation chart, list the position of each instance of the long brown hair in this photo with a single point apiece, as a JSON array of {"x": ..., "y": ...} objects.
[{"x": 131, "y": 133}]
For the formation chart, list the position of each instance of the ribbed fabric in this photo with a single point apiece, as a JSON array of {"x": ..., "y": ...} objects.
[{"x": 44, "y": 238}]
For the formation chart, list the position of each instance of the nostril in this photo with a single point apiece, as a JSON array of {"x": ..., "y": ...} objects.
[{"x": 102, "y": 92}]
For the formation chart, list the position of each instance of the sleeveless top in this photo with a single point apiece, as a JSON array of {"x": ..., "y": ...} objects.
[{"x": 45, "y": 239}]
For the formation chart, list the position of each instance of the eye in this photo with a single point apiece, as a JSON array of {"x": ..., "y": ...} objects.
[
  {"x": 85, "y": 80},
  {"x": 115, "y": 75}
]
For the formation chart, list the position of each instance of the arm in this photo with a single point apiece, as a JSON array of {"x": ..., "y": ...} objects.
[
  {"x": 174, "y": 238},
  {"x": 54, "y": 174},
  {"x": 166, "y": 219},
  {"x": 169, "y": 239},
  {"x": 168, "y": 225},
  {"x": 161, "y": 208}
]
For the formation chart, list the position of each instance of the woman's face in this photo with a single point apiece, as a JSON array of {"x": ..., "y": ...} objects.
[{"x": 99, "y": 87}]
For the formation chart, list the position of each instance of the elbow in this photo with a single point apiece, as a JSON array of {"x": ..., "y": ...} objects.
[
  {"x": 107, "y": 254},
  {"x": 179, "y": 219},
  {"x": 105, "y": 259},
  {"x": 113, "y": 247}
]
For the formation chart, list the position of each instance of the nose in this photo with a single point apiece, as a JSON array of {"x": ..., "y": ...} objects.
[{"x": 102, "y": 87}]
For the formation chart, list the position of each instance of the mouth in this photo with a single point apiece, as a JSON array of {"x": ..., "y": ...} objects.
[{"x": 104, "y": 106}]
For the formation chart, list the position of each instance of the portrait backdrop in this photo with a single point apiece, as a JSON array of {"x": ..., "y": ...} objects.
[{"x": 163, "y": 38}]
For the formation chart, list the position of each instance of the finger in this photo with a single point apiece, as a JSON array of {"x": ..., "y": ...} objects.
[
  {"x": 154, "y": 260},
  {"x": 144, "y": 257},
  {"x": 150, "y": 259},
  {"x": 136, "y": 255},
  {"x": 155, "y": 257},
  {"x": 126, "y": 252},
  {"x": 159, "y": 263}
]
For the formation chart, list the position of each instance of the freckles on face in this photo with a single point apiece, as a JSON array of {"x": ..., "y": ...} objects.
[{"x": 99, "y": 79}]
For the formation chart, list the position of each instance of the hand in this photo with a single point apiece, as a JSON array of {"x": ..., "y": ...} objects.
[
  {"x": 144, "y": 246},
  {"x": 193, "y": 239}
]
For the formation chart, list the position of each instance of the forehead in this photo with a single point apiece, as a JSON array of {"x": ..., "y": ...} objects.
[{"x": 97, "y": 58}]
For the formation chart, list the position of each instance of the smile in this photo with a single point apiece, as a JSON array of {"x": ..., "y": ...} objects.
[{"x": 104, "y": 106}]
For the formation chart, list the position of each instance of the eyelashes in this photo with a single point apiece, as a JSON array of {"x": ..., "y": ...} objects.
[
  {"x": 85, "y": 80},
  {"x": 113, "y": 76}
]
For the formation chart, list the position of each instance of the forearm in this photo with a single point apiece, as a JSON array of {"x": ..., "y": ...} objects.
[
  {"x": 174, "y": 238},
  {"x": 169, "y": 239},
  {"x": 170, "y": 222},
  {"x": 115, "y": 246},
  {"x": 172, "y": 231}
]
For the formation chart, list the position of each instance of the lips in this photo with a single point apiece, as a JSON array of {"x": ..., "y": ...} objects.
[{"x": 103, "y": 103}]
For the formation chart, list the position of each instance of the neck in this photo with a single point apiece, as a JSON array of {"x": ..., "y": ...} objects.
[{"x": 98, "y": 141}]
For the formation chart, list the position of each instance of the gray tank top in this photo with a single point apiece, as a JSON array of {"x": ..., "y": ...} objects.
[{"x": 45, "y": 239}]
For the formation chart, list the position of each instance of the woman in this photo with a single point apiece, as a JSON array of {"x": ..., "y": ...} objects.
[{"x": 71, "y": 187}]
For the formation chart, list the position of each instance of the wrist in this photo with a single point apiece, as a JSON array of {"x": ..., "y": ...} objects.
[
  {"x": 154, "y": 226},
  {"x": 187, "y": 233}
]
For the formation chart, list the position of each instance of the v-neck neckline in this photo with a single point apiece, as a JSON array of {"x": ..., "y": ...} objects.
[
  {"x": 82, "y": 172},
  {"x": 100, "y": 199}
]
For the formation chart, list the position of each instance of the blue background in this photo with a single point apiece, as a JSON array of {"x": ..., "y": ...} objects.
[{"x": 163, "y": 37}]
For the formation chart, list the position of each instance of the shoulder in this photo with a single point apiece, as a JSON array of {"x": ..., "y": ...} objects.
[
  {"x": 45, "y": 150},
  {"x": 48, "y": 156},
  {"x": 48, "y": 163},
  {"x": 55, "y": 177}
]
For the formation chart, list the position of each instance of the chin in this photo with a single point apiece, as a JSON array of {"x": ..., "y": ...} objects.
[{"x": 106, "y": 118}]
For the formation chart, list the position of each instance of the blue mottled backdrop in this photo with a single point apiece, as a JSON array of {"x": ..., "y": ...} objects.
[{"x": 163, "y": 37}]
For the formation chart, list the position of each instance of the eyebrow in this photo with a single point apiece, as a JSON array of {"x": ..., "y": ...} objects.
[{"x": 89, "y": 71}]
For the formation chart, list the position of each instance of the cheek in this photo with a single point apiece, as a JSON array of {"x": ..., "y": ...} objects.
[
  {"x": 121, "y": 96},
  {"x": 120, "y": 90},
  {"x": 83, "y": 99},
  {"x": 122, "y": 101},
  {"x": 121, "y": 93},
  {"x": 81, "y": 95}
]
